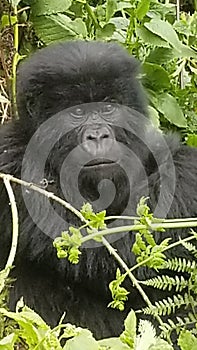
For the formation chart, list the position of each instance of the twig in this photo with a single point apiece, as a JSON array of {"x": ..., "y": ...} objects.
[
  {"x": 113, "y": 252},
  {"x": 14, "y": 225},
  {"x": 45, "y": 193}
]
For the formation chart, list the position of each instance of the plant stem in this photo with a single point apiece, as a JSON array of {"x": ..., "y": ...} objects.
[
  {"x": 113, "y": 252},
  {"x": 15, "y": 61},
  {"x": 92, "y": 15}
]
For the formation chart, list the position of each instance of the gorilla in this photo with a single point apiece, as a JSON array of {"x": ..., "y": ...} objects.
[{"x": 84, "y": 134}]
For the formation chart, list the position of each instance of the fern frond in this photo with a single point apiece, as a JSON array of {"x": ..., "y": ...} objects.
[
  {"x": 170, "y": 326},
  {"x": 180, "y": 265},
  {"x": 166, "y": 282},
  {"x": 190, "y": 247},
  {"x": 167, "y": 306}
]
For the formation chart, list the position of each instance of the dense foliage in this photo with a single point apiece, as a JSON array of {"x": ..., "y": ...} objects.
[{"x": 164, "y": 39}]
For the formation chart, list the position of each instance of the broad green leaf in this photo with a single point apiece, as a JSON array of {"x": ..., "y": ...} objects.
[
  {"x": 164, "y": 30},
  {"x": 194, "y": 70},
  {"x": 192, "y": 140},
  {"x": 26, "y": 315},
  {"x": 161, "y": 55},
  {"x": 15, "y": 2},
  {"x": 142, "y": 9},
  {"x": 83, "y": 341},
  {"x": 169, "y": 107},
  {"x": 49, "y": 30},
  {"x": 119, "y": 35},
  {"x": 154, "y": 116},
  {"x": 106, "y": 31},
  {"x": 128, "y": 336},
  {"x": 7, "y": 343},
  {"x": 120, "y": 22},
  {"x": 48, "y": 7},
  {"x": 155, "y": 76},
  {"x": 150, "y": 38},
  {"x": 161, "y": 344},
  {"x": 186, "y": 51},
  {"x": 33, "y": 317},
  {"x": 79, "y": 27},
  {"x": 7, "y": 20},
  {"x": 110, "y": 9},
  {"x": 123, "y": 5},
  {"x": 187, "y": 341},
  {"x": 113, "y": 344},
  {"x": 58, "y": 27}
]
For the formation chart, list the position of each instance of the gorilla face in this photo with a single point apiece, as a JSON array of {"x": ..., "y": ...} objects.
[
  {"x": 83, "y": 109},
  {"x": 92, "y": 154}
]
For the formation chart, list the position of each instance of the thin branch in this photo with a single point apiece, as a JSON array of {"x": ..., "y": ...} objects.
[
  {"x": 40, "y": 190},
  {"x": 15, "y": 228},
  {"x": 108, "y": 231},
  {"x": 113, "y": 252}
]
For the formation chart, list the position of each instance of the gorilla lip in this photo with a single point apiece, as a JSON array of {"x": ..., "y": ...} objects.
[{"x": 99, "y": 162}]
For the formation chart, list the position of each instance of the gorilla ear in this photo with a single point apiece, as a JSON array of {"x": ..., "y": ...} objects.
[
  {"x": 28, "y": 106},
  {"x": 32, "y": 107}
]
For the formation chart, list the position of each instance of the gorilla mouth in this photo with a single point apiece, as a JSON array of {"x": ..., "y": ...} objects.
[{"x": 99, "y": 162}]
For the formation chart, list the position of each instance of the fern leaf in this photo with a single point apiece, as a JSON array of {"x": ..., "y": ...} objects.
[
  {"x": 180, "y": 265},
  {"x": 166, "y": 282},
  {"x": 168, "y": 306}
]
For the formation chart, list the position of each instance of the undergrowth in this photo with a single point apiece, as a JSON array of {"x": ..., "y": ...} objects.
[{"x": 24, "y": 329}]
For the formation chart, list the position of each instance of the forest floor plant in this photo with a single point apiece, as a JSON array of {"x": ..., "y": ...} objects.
[{"x": 27, "y": 330}]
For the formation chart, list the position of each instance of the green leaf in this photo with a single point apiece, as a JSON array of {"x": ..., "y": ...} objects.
[
  {"x": 165, "y": 30},
  {"x": 48, "y": 7},
  {"x": 187, "y": 341},
  {"x": 156, "y": 77},
  {"x": 186, "y": 51},
  {"x": 32, "y": 334},
  {"x": 113, "y": 344},
  {"x": 7, "y": 343},
  {"x": 120, "y": 22},
  {"x": 129, "y": 334},
  {"x": 169, "y": 107},
  {"x": 106, "y": 31},
  {"x": 150, "y": 38},
  {"x": 79, "y": 27},
  {"x": 154, "y": 116},
  {"x": 161, "y": 55},
  {"x": 84, "y": 340},
  {"x": 6, "y": 20},
  {"x": 160, "y": 344},
  {"x": 15, "y": 2},
  {"x": 58, "y": 27},
  {"x": 192, "y": 140},
  {"x": 142, "y": 9},
  {"x": 26, "y": 315},
  {"x": 110, "y": 9}
]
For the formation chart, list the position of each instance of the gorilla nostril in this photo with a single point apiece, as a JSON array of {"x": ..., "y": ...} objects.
[
  {"x": 105, "y": 136},
  {"x": 90, "y": 137},
  {"x": 97, "y": 135}
]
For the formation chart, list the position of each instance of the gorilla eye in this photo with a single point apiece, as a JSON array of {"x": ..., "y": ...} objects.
[
  {"x": 78, "y": 112},
  {"x": 108, "y": 109}
]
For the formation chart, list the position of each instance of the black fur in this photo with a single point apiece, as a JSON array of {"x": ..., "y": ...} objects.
[{"x": 115, "y": 138}]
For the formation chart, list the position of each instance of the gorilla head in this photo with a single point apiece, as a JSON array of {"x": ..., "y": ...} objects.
[
  {"x": 72, "y": 73},
  {"x": 93, "y": 110}
]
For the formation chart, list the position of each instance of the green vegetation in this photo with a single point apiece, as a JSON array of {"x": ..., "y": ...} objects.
[
  {"x": 26, "y": 329},
  {"x": 164, "y": 39}
]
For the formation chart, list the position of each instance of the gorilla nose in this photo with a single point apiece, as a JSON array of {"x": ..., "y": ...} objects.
[{"x": 97, "y": 140}]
